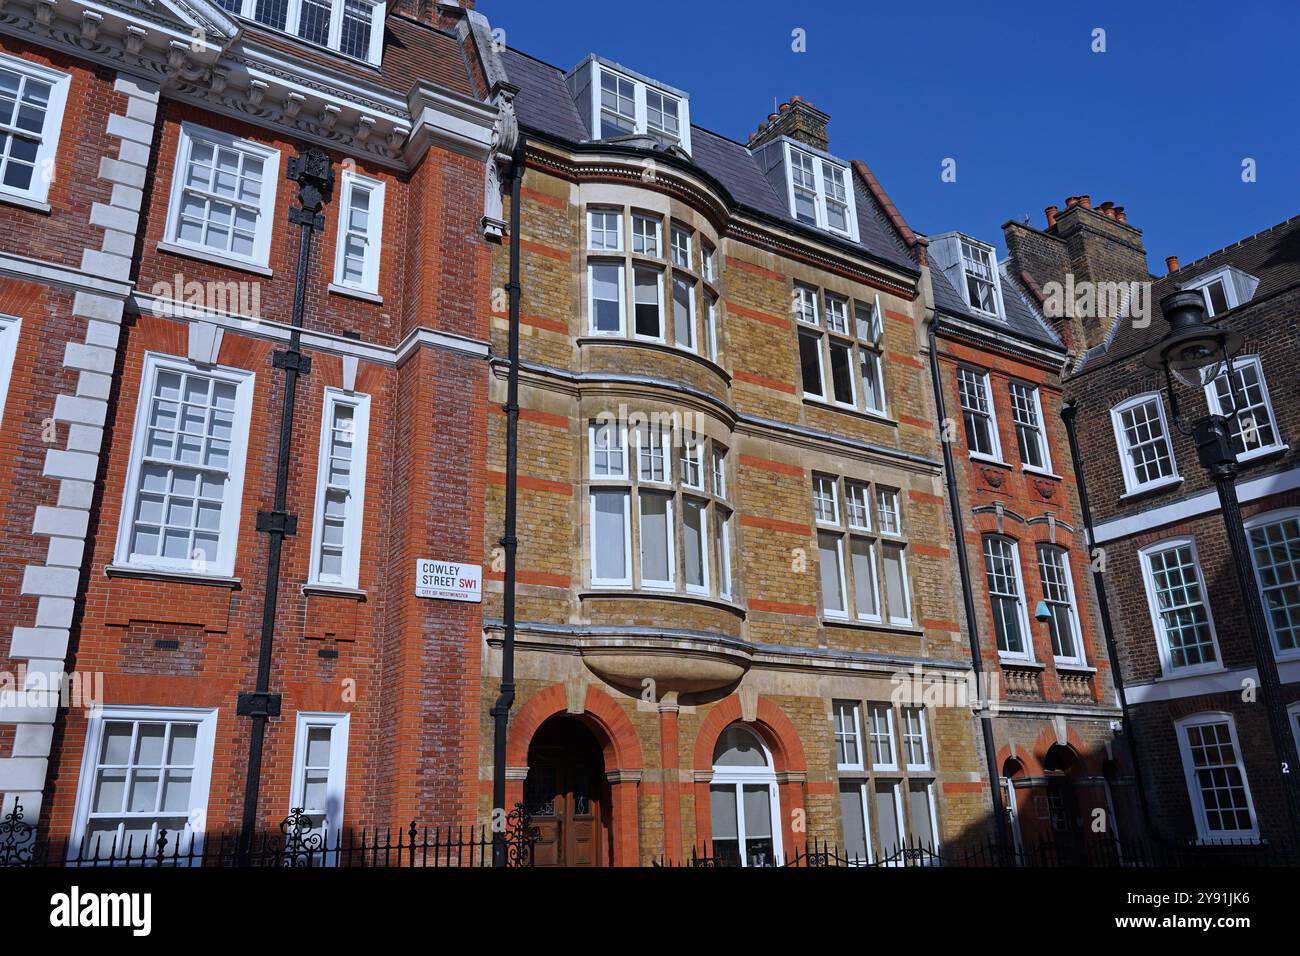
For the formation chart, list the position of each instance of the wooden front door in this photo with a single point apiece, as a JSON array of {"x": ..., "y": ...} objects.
[{"x": 565, "y": 793}]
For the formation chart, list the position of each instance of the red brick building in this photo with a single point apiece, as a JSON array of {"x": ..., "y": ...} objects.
[
  {"x": 148, "y": 268},
  {"x": 1188, "y": 666},
  {"x": 1062, "y": 771}
]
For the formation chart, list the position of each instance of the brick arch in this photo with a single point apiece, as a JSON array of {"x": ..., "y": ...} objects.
[
  {"x": 1089, "y": 762},
  {"x": 1027, "y": 760},
  {"x": 614, "y": 731},
  {"x": 782, "y": 739},
  {"x": 620, "y": 749}
]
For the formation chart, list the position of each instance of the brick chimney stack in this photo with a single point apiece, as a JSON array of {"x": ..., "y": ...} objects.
[
  {"x": 444, "y": 14},
  {"x": 799, "y": 120}
]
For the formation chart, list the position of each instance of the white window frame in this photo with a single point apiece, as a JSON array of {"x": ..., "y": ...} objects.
[
  {"x": 1293, "y": 715},
  {"x": 865, "y": 787},
  {"x": 592, "y": 264},
  {"x": 11, "y": 327},
  {"x": 642, "y": 124},
  {"x": 1216, "y": 407},
  {"x": 335, "y": 39},
  {"x": 1026, "y": 635},
  {"x": 355, "y": 508},
  {"x": 204, "y": 717},
  {"x": 670, "y": 539},
  {"x": 924, "y": 765},
  {"x": 1131, "y": 485},
  {"x": 336, "y": 787},
  {"x": 1044, "y": 446},
  {"x": 189, "y": 134},
  {"x": 232, "y": 504},
  {"x": 994, "y": 271},
  {"x": 45, "y": 168},
  {"x": 739, "y": 777},
  {"x": 616, "y": 430},
  {"x": 1153, "y": 608},
  {"x": 592, "y": 213},
  {"x": 872, "y": 708},
  {"x": 895, "y": 784},
  {"x": 626, "y": 491},
  {"x": 1076, "y": 630},
  {"x": 1263, "y": 520},
  {"x": 374, "y": 234},
  {"x": 819, "y": 163},
  {"x": 855, "y": 708},
  {"x": 658, "y": 234},
  {"x": 995, "y": 437},
  {"x": 1193, "y": 788},
  {"x": 632, "y": 317},
  {"x": 686, "y": 249},
  {"x": 1228, "y": 277}
]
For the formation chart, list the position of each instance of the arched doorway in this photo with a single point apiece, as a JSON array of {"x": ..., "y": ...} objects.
[
  {"x": 1061, "y": 768},
  {"x": 743, "y": 802},
  {"x": 568, "y": 796}
]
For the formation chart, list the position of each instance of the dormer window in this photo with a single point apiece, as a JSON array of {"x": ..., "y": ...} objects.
[
  {"x": 819, "y": 192},
  {"x": 981, "y": 277},
  {"x": 354, "y": 28},
  {"x": 1224, "y": 289},
  {"x": 619, "y": 102}
]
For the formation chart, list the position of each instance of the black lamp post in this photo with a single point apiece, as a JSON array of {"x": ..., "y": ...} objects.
[{"x": 1196, "y": 354}]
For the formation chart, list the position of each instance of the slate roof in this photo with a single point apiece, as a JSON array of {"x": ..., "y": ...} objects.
[
  {"x": 1271, "y": 256},
  {"x": 545, "y": 106},
  {"x": 1023, "y": 320}
]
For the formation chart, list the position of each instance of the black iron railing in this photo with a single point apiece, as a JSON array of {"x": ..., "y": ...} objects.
[
  {"x": 1100, "y": 853},
  {"x": 296, "y": 844}
]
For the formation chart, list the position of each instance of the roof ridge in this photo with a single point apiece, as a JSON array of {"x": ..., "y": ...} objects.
[{"x": 1239, "y": 242}]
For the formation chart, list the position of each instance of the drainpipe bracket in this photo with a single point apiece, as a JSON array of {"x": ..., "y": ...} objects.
[
  {"x": 290, "y": 359},
  {"x": 307, "y": 217},
  {"x": 258, "y": 703},
  {"x": 277, "y": 522}
]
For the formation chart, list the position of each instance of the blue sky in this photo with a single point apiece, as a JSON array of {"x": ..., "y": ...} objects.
[{"x": 1159, "y": 123}]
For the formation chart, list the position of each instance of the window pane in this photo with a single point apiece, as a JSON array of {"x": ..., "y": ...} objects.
[
  {"x": 810, "y": 364},
  {"x": 1144, "y": 436},
  {"x": 606, "y": 297},
  {"x": 855, "y": 833},
  {"x": 655, "y": 516},
  {"x": 722, "y": 806},
  {"x": 647, "y": 303},
  {"x": 921, "y": 826},
  {"x": 684, "y": 312},
  {"x": 1181, "y": 606},
  {"x": 828, "y": 559},
  {"x": 693, "y": 514},
  {"x": 887, "y": 818},
  {"x": 842, "y": 373},
  {"x": 864, "y": 577},
  {"x": 895, "y": 583},
  {"x": 1276, "y": 550},
  {"x": 1004, "y": 591},
  {"x": 609, "y": 534}
]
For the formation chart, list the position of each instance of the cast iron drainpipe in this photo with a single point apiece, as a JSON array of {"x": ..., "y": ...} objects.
[
  {"x": 968, "y": 595},
  {"x": 1069, "y": 415},
  {"x": 314, "y": 175},
  {"x": 501, "y": 709}
]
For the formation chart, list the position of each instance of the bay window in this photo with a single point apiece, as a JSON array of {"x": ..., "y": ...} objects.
[{"x": 668, "y": 511}]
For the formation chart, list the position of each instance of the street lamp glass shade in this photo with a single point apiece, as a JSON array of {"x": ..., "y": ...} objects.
[{"x": 1193, "y": 352}]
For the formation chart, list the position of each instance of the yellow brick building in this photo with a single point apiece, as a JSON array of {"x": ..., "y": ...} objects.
[{"x": 735, "y": 560}]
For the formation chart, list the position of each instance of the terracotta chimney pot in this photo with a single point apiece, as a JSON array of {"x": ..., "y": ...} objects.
[
  {"x": 1172, "y": 263},
  {"x": 1051, "y": 212}
]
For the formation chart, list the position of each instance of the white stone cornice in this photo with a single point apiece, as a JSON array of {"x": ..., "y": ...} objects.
[
  {"x": 443, "y": 118},
  {"x": 15, "y": 266}
]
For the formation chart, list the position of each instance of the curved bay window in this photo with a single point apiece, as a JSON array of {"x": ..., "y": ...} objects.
[
  {"x": 643, "y": 283},
  {"x": 743, "y": 801},
  {"x": 660, "y": 516}
]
